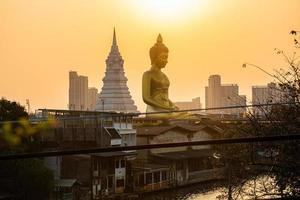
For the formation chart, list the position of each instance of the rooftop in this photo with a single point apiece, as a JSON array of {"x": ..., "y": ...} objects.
[{"x": 186, "y": 128}]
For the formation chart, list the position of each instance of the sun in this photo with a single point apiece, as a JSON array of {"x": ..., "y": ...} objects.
[{"x": 168, "y": 10}]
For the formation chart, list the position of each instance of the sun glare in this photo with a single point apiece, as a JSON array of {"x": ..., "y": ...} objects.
[{"x": 168, "y": 10}]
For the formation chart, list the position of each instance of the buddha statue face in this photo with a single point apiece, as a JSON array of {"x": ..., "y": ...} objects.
[
  {"x": 159, "y": 54},
  {"x": 161, "y": 60}
]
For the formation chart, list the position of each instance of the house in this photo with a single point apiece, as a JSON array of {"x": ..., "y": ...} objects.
[
  {"x": 109, "y": 173},
  {"x": 150, "y": 176},
  {"x": 103, "y": 173},
  {"x": 186, "y": 164},
  {"x": 66, "y": 189}
]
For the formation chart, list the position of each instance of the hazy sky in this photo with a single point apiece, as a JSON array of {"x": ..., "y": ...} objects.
[{"x": 41, "y": 40}]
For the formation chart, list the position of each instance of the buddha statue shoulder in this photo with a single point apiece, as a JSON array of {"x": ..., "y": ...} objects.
[{"x": 155, "y": 84}]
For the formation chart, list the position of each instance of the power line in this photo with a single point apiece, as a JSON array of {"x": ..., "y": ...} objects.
[{"x": 150, "y": 146}]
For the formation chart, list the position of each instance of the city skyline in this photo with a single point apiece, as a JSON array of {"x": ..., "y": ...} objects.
[
  {"x": 217, "y": 94},
  {"x": 200, "y": 45},
  {"x": 149, "y": 99}
]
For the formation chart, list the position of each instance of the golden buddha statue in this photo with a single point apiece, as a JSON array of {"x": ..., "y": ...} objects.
[{"x": 156, "y": 84}]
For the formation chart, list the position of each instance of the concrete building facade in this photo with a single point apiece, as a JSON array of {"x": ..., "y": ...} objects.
[
  {"x": 188, "y": 105},
  {"x": 221, "y": 95},
  {"x": 92, "y": 97},
  {"x": 78, "y": 91},
  {"x": 265, "y": 94}
]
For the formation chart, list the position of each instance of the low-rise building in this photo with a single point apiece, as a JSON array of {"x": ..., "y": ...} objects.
[
  {"x": 219, "y": 95},
  {"x": 104, "y": 173},
  {"x": 92, "y": 98},
  {"x": 109, "y": 173},
  {"x": 189, "y": 105},
  {"x": 266, "y": 94},
  {"x": 186, "y": 164},
  {"x": 150, "y": 176}
]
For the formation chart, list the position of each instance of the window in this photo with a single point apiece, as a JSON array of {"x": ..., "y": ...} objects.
[
  {"x": 148, "y": 178},
  {"x": 163, "y": 175},
  {"x": 156, "y": 177},
  {"x": 117, "y": 164},
  {"x": 98, "y": 188},
  {"x": 103, "y": 183},
  {"x": 120, "y": 183},
  {"x": 195, "y": 164},
  {"x": 125, "y": 139},
  {"x": 122, "y": 163},
  {"x": 110, "y": 181},
  {"x": 141, "y": 179},
  {"x": 95, "y": 164},
  {"x": 179, "y": 166}
]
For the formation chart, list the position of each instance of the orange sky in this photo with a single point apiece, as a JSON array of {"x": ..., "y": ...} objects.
[{"x": 41, "y": 40}]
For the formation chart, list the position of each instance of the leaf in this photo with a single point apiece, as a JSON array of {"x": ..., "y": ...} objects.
[{"x": 293, "y": 32}]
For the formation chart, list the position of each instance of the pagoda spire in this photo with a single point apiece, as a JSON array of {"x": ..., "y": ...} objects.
[
  {"x": 114, "y": 38},
  {"x": 115, "y": 95},
  {"x": 114, "y": 50}
]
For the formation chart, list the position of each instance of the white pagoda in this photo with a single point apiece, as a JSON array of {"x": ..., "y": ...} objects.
[{"x": 115, "y": 95}]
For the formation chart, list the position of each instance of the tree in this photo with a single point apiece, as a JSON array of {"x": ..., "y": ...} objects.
[
  {"x": 27, "y": 178},
  {"x": 30, "y": 179},
  {"x": 275, "y": 172},
  {"x": 10, "y": 111}
]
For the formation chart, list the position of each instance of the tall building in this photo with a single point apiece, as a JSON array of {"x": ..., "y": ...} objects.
[
  {"x": 221, "y": 95},
  {"x": 265, "y": 94},
  {"x": 92, "y": 97},
  {"x": 115, "y": 95},
  {"x": 188, "y": 105},
  {"x": 78, "y": 91}
]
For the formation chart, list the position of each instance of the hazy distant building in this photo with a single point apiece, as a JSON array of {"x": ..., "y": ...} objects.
[
  {"x": 115, "y": 95},
  {"x": 220, "y": 95},
  {"x": 188, "y": 105},
  {"x": 92, "y": 97},
  {"x": 78, "y": 91},
  {"x": 265, "y": 94}
]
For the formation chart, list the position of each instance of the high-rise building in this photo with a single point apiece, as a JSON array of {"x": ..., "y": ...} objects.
[
  {"x": 188, "y": 105},
  {"x": 78, "y": 91},
  {"x": 92, "y": 97},
  {"x": 221, "y": 95},
  {"x": 265, "y": 94},
  {"x": 115, "y": 95}
]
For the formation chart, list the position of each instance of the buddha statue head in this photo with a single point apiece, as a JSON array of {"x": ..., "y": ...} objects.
[{"x": 159, "y": 53}]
